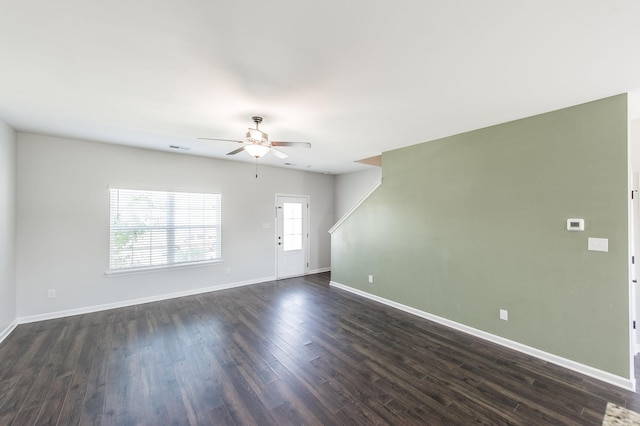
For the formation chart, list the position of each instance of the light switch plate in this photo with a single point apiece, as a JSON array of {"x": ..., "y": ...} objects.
[{"x": 598, "y": 244}]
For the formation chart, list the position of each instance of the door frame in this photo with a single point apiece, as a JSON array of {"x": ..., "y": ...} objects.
[
  {"x": 633, "y": 221},
  {"x": 275, "y": 235}
]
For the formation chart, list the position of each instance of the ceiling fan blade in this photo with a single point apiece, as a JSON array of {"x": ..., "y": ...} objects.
[
  {"x": 279, "y": 153},
  {"x": 236, "y": 151},
  {"x": 292, "y": 144},
  {"x": 223, "y": 140}
]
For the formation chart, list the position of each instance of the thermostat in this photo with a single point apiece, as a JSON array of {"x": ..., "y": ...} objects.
[{"x": 575, "y": 224}]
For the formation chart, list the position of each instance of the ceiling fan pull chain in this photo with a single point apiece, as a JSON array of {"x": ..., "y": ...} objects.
[{"x": 256, "y": 168}]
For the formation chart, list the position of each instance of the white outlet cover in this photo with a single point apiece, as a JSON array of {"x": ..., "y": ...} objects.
[
  {"x": 504, "y": 314},
  {"x": 598, "y": 244},
  {"x": 371, "y": 278}
]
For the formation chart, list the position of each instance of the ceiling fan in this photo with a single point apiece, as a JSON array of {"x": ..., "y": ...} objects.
[{"x": 257, "y": 143}]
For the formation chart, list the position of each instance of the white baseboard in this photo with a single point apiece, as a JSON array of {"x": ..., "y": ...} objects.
[
  {"x": 140, "y": 301},
  {"x": 311, "y": 272},
  {"x": 604, "y": 376},
  {"x": 7, "y": 331}
]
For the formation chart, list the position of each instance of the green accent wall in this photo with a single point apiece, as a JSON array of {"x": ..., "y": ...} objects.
[{"x": 469, "y": 224}]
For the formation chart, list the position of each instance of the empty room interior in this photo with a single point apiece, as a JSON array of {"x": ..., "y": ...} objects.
[{"x": 319, "y": 213}]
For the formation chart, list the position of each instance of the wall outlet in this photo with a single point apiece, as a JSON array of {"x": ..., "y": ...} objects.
[
  {"x": 504, "y": 315},
  {"x": 51, "y": 293},
  {"x": 370, "y": 279},
  {"x": 228, "y": 270}
]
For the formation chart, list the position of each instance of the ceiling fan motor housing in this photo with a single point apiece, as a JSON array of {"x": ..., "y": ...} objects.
[{"x": 257, "y": 136}]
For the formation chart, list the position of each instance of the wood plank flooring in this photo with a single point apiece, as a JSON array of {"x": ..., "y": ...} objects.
[{"x": 285, "y": 352}]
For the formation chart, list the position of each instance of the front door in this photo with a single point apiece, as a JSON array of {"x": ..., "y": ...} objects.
[{"x": 292, "y": 216}]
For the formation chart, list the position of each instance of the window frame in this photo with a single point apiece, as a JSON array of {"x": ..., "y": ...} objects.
[{"x": 170, "y": 229}]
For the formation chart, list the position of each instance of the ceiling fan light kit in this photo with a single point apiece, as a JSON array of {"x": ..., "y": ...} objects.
[{"x": 257, "y": 150}]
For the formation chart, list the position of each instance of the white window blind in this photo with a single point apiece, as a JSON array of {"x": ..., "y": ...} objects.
[{"x": 156, "y": 228}]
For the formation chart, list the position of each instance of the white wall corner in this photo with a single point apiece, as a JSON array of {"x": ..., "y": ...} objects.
[{"x": 8, "y": 330}]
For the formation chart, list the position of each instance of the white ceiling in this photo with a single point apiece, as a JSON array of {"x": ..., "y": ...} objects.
[{"x": 355, "y": 78}]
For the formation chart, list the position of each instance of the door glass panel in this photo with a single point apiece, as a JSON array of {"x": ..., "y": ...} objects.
[{"x": 292, "y": 226}]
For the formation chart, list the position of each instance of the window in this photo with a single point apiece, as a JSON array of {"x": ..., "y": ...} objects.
[
  {"x": 156, "y": 228},
  {"x": 292, "y": 224}
]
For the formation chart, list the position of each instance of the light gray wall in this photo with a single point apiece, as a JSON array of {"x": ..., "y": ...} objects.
[
  {"x": 634, "y": 141},
  {"x": 63, "y": 220},
  {"x": 351, "y": 187},
  {"x": 7, "y": 226}
]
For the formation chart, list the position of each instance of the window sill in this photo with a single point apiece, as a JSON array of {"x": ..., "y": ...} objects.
[{"x": 118, "y": 272}]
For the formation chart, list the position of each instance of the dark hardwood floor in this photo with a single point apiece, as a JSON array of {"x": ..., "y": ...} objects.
[{"x": 285, "y": 352}]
